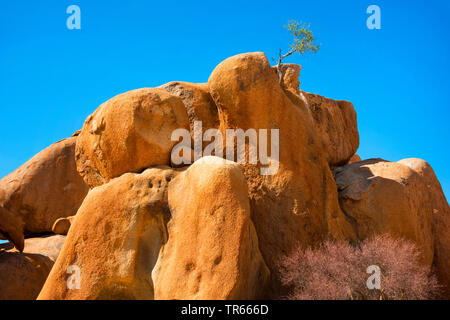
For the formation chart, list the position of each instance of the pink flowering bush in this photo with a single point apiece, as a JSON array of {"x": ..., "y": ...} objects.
[{"x": 337, "y": 271}]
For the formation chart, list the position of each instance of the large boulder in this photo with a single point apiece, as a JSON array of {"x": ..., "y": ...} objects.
[
  {"x": 48, "y": 246},
  {"x": 120, "y": 233},
  {"x": 387, "y": 197},
  {"x": 24, "y": 274},
  {"x": 212, "y": 247},
  {"x": 45, "y": 188},
  {"x": 335, "y": 121},
  {"x": 129, "y": 133},
  {"x": 198, "y": 103},
  {"x": 296, "y": 201},
  {"x": 441, "y": 219},
  {"x": 114, "y": 240},
  {"x": 202, "y": 113},
  {"x": 11, "y": 228}
]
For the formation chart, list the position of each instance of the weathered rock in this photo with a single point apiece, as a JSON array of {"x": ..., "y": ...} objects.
[
  {"x": 24, "y": 274},
  {"x": 441, "y": 219},
  {"x": 354, "y": 158},
  {"x": 115, "y": 239},
  {"x": 289, "y": 73},
  {"x": 335, "y": 120},
  {"x": 129, "y": 133},
  {"x": 212, "y": 247},
  {"x": 11, "y": 227},
  {"x": 336, "y": 123},
  {"x": 198, "y": 103},
  {"x": 49, "y": 246},
  {"x": 298, "y": 203},
  {"x": 387, "y": 197},
  {"x": 45, "y": 188},
  {"x": 201, "y": 110},
  {"x": 62, "y": 225}
]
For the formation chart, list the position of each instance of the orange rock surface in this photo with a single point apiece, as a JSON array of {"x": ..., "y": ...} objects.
[
  {"x": 45, "y": 188},
  {"x": 129, "y": 133},
  {"x": 440, "y": 219},
  {"x": 299, "y": 203},
  {"x": 115, "y": 240},
  {"x": 212, "y": 246},
  {"x": 62, "y": 225},
  {"x": 387, "y": 197},
  {"x": 24, "y": 274},
  {"x": 152, "y": 228}
]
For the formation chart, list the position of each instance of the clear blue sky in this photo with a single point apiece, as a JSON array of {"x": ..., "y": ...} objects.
[{"x": 52, "y": 78}]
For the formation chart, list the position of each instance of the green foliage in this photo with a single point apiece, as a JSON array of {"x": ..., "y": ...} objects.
[{"x": 303, "y": 39}]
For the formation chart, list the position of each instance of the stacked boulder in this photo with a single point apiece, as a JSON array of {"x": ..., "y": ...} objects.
[
  {"x": 23, "y": 274},
  {"x": 216, "y": 229},
  {"x": 45, "y": 188}
]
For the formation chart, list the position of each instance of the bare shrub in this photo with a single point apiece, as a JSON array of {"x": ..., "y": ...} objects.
[{"x": 337, "y": 271}]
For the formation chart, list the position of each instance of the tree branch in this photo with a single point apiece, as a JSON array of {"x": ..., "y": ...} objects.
[
  {"x": 280, "y": 76},
  {"x": 286, "y": 55}
]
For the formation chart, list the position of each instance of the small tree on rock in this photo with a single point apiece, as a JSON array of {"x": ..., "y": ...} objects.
[{"x": 303, "y": 42}]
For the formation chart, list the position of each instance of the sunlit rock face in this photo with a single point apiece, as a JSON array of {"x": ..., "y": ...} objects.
[{"x": 132, "y": 223}]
